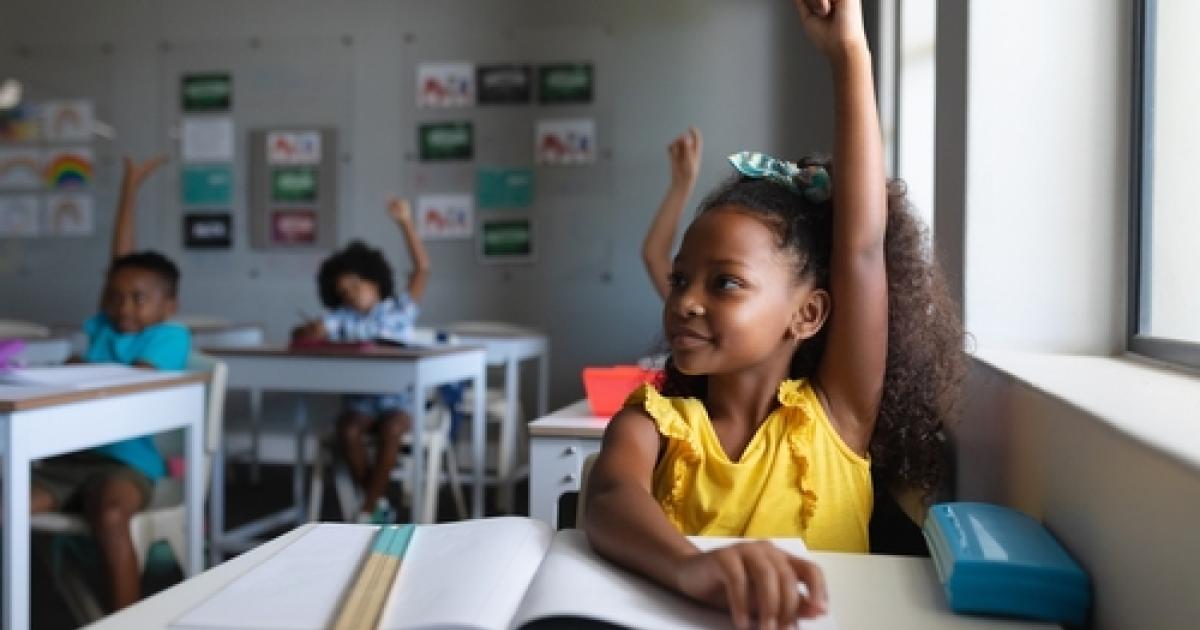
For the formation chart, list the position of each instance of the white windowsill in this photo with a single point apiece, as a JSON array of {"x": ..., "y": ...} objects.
[{"x": 1155, "y": 405}]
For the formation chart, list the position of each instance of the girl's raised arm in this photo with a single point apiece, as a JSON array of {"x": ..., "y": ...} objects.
[
  {"x": 132, "y": 178},
  {"x": 684, "y": 152},
  {"x": 401, "y": 212},
  {"x": 852, "y": 369}
]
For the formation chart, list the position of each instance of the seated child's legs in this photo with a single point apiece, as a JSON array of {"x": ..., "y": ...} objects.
[
  {"x": 108, "y": 493},
  {"x": 383, "y": 415}
]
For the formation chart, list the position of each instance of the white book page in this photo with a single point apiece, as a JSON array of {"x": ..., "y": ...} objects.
[
  {"x": 82, "y": 376},
  {"x": 574, "y": 581},
  {"x": 456, "y": 575},
  {"x": 466, "y": 575}
]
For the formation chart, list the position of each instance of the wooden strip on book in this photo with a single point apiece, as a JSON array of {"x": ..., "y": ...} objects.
[{"x": 363, "y": 605}]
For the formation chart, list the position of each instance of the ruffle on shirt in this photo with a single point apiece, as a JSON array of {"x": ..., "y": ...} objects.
[
  {"x": 800, "y": 401},
  {"x": 672, "y": 426}
]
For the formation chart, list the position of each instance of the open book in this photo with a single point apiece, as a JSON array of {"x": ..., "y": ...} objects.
[
  {"x": 489, "y": 574},
  {"x": 81, "y": 376}
]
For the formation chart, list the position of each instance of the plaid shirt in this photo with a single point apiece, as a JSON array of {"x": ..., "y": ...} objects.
[{"x": 392, "y": 319}]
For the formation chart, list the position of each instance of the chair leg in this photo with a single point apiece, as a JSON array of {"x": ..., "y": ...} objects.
[
  {"x": 316, "y": 485},
  {"x": 433, "y": 462},
  {"x": 460, "y": 503}
]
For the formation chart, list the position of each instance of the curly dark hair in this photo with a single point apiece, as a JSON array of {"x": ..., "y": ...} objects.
[
  {"x": 925, "y": 357},
  {"x": 359, "y": 259},
  {"x": 153, "y": 262}
]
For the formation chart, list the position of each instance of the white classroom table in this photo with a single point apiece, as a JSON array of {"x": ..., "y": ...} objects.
[
  {"x": 44, "y": 351},
  {"x": 558, "y": 445},
  {"x": 866, "y": 592},
  {"x": 40, "y": 422},
  {"x": 341, "y": 371},
  {"x": 508, "y": 346}
]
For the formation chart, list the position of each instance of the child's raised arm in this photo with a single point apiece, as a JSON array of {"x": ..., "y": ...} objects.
[
  {"x": 684, "y": 154},
  {"x": 401, "y": 212},
  {"x": 132, "y": 178},
  {"x": 852, "y": 368}
]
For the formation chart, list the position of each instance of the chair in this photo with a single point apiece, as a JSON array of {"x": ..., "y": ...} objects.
[
  {"x": 27, "y": 330},
  {"x": 163, "y": 519},
  {"x": 437, "y": 450}
]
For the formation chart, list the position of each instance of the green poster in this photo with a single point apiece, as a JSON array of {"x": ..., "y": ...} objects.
[
  {"x": 506, "y": 240},
  {"x": 446, "y": 140},
  {"x": 208, "y": 92},
  {"x": 294, "y": 183},
  {"x": 565, "y": 83},
  {"x": 504, "y": 187},
  {"x": 206, "y": 184}
]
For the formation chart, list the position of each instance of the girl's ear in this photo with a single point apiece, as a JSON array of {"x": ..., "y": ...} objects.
[{"x": 810, "y": 316}]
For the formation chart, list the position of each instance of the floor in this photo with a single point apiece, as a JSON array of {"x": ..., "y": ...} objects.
[{"x": 245, "y": 501}]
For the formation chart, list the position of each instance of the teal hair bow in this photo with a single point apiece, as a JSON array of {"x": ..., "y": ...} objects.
[{"x": 811, "y": 181}]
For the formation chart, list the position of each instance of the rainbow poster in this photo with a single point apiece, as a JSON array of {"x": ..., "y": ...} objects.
[
  {"x": 67, "y": 121},
  {"x": 69, "y": 215},
  {"x": 20, "y": 168},
  {"x": 68, "y": 169}
]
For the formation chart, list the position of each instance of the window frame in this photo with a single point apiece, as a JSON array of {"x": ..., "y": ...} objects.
[{"x": 1141, "y": 213}]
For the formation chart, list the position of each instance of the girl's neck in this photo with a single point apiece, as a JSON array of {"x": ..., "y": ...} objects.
[{"x": 747, "y": 395}]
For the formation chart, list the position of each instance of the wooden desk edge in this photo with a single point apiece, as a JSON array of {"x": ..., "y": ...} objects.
[
  {"x": 60, "y": 397},
  {"x": 379, "y": 353}
]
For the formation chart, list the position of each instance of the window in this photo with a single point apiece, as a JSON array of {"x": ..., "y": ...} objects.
[{"x": 1164, "y": 296}]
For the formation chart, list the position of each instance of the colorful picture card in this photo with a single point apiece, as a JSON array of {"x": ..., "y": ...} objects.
[
  {"x": 446, "y": 140},
  {"x": 206, "y": 184},
  {"x": 506, "y": 239},
  {"x": 206, "y": 92},
  {"x": 207, "y": 230},
  {"x": 445, "y": 216},
  {"x": 445, "y": 84},
  {"x": 19, "y": 216},
  {"x": 565, "y": 142},
  {"x": 69, "y": 214},
  {"x": 67, "y": 121},
  {"x": 68, "y": 169},
  {"x": 19, "y": 124},
  {"x": 504, "y": 84},
  {"x": 504, "y": 187},
  {"x": 20, "y": 168},
  {"x": 290, "y": 184},
  {"x": 293, "y": 227},
  {"x": 565, "y": 84},
  {"x": 294, "y": 147}
]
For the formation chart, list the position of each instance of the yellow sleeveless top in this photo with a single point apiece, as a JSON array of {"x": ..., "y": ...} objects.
[{"x": 796, "y": 478}]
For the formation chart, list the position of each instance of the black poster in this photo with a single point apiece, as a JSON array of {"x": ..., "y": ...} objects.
[
  {"x": 504, "y": 84},
  {"x": 212, "y": 230}
]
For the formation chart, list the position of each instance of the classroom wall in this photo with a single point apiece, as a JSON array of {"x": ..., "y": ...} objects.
[
  {"x": 1125, "y": 510},
  {"x": 738, "y": 70}
]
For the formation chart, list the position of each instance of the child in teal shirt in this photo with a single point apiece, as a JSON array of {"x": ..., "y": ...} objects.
[{"x": 109, "y": 484}]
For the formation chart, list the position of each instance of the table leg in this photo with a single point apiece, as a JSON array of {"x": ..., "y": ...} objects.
[
  {"x": 255, "y": 433},
  {"x": 193, "y": 489},
  {"x": 543, "y": 383},
  {"x": 417, "y": 491},
  {"x": 478, "y": 441},
  {"x": 16, "y": 530},
  {"x": 216, "y": 507},
  {"x": 301, "y": 428},
  {"x": 508, "y": 436}
]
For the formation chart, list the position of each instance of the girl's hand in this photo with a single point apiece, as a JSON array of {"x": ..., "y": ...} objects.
[
  {"x": 754, "y": 577},
  {"x": 685, "y": 152},
  {"x": 136, "y": 174},
  {"x": 310, "y": 331},
  {"x": 399, "y": 209},
  {"x": 834, "y": 26}
]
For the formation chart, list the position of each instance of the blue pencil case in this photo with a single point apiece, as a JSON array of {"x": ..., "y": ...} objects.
[{"x": 993, "y": 560}]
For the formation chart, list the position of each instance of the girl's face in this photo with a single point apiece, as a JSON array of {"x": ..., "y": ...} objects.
[
  {"x": 357, "y": 292},
  {"x": 735, "y": 299},
  {"x": 135, "y": 299}
]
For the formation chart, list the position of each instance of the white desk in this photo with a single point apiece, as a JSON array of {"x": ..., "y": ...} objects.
[
  {"x": 558, "y": 445},
  {"x": 866, "y": 591},
  {"x": 320, "y": 370},
  {"x": 508, "y": 347},
  {"x": 44, "y": 351},
  {"x": 36, "y": 423}
]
